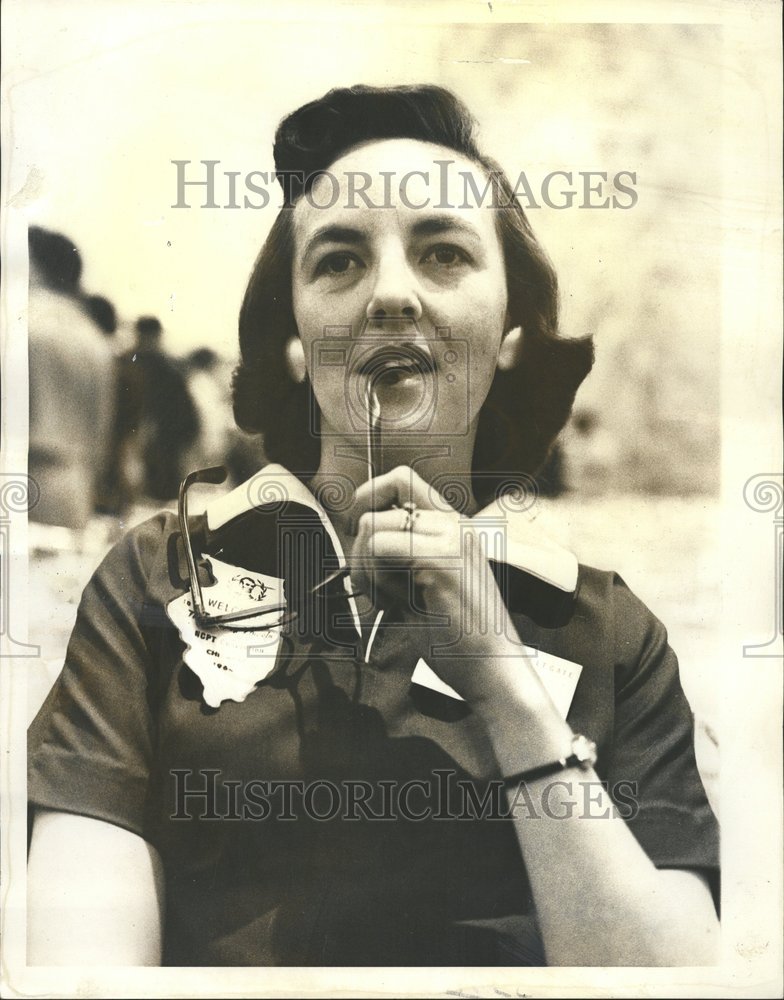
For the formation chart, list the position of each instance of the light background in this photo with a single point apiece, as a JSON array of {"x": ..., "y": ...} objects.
[
  {"x": 109, "y": 94},
  {"x": 682, "y": 293}
]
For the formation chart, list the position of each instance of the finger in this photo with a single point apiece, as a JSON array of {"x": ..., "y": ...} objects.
[
  {"x": 401, "y": 485},
  {"x": 391, "y": 549},
  {"x": 395, "y": 563},
  {"x": 366, "y": 553},
  {"x": 424, "y": 522},
  {"x": 388, "y": 571}
]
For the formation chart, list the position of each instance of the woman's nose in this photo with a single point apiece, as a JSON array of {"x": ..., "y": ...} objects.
[{"x": 395, "y": 292}]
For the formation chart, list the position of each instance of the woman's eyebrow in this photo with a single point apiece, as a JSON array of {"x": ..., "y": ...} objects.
[
  {"x": 333, "y": 234},
  {"x": 435, "y": 225}
]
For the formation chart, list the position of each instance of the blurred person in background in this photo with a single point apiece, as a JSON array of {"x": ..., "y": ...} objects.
[
  {"x": 592, "y": 453},
  {"x": 71, "y": 386},
  {"x": 220, "y": 440},
  {"x": 72, "y": 396},
  {"x": 103, "y": 314},
  {"x": 209, "y": 385},
  {"x": 156, "y": 422}
]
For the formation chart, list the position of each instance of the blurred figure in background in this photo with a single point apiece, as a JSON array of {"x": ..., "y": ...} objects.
[
  {"x": 209, "y": 385},
  {"x": 71, "y": 386},
  {"x": 72, "y": 396},
  {"x": 102, "y": 313},
  {"x": 220, "y": 440},
  {"x": 156, "y": 421},
  {"x": 592, "y": 453}
]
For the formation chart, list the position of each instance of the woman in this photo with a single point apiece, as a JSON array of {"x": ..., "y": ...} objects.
[{"x": 391, "y": 773}]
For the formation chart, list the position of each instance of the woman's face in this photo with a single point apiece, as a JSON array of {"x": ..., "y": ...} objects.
[{"x": 391, "y": 293}]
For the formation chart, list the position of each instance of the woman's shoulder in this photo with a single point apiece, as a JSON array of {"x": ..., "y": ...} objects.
[
  {"x": 607, "y": 589},
  {"x": 606, "y": 585},
  {"x": 142, "y": 543},
  {"x": 138, "y": 566},
  {"x": 634, "y": 630}
]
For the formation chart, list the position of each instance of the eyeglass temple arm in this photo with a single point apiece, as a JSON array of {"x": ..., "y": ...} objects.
[{"x": 214, "y": 475}]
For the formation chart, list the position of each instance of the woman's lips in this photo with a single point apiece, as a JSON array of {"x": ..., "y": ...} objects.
[
  {"x": 394, "y": 382},
  {"x": 395, "y": 362},
  {"x": 395, "y": 375}
]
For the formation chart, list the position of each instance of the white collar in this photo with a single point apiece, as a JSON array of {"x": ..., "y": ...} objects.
[{"x": 511, "y": 536}]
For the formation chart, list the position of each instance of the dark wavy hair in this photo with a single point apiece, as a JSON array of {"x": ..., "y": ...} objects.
[{"x": 526, "y": 408}]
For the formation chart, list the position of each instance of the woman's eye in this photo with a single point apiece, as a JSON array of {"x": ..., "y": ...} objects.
[
  {"x": 446, "y": 256},
  {"x": 337, "y": 263}
]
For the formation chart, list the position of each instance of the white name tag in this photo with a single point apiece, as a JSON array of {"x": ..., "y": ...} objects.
[
  {"x": 558, "y": 676},
  {"x": 228, "y": 662}
]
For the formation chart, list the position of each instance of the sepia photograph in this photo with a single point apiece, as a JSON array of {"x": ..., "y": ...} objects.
[{"x": 391, "y": 499}]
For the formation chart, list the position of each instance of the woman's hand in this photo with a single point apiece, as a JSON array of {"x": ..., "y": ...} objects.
[
  {"x": 600, "y": 900},
  {"x": 438, "y": 570}
]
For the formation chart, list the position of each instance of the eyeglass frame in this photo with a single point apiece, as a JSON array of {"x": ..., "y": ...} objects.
[{"x": 216, "y": 475}]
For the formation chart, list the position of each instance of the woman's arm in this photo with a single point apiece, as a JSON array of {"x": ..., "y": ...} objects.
[
  {"x": 600, "y": 900},
  {"x": 95, "y": 894}
]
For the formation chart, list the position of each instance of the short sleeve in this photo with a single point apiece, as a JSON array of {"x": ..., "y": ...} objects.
[
  {"x": 91, "y": 744},
  {"x": 652, "y": 772}
]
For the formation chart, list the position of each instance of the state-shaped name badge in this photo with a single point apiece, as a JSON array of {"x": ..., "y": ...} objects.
[{"x": 231, "y": 659}]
